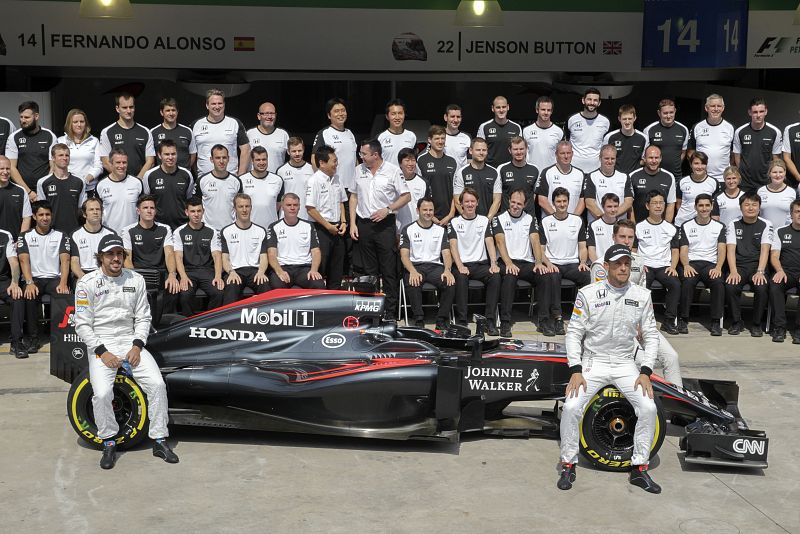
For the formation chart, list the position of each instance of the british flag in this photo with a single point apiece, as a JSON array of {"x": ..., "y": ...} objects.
[{"x": 612, "y": 48}]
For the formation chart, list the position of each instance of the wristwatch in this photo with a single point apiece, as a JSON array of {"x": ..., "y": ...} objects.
[{"x": 391, "y": 211}]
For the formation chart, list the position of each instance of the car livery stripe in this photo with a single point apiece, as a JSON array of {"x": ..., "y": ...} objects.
[
  {"x": 528, "y": 357},
  {"x": 279, "y": 294},
  {"x": 373, "y": 365}
]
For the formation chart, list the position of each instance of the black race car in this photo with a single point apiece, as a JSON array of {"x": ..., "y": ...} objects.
[{"x": 324, "y": 362}]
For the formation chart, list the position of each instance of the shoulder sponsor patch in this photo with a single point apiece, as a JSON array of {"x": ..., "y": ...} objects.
[
  {"x": 579, "y": 302},
  {"x": 81, "y": 302},
  {"x": 631, "y": 302},
  {"x": 81, "y": 294},
  {"x": 126, "y": 289}
]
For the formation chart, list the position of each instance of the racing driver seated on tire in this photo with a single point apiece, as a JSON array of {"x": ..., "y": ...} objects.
[
  {"x": 601, "y": 343},
  {"x": 112, "y": 316}
]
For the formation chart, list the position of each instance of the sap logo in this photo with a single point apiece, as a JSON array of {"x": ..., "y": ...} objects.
[
  {"x": 232, "y": 335},
  {"x": 748, "y": 446},
  {"x": 301, "y": 318},
  {"x": 368, "y": 305},
  {"x": 333, "y": 341}
]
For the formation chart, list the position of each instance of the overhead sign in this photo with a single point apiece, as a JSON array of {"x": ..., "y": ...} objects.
[
  {"x": 773, "y": 41},
  {"x": 319, "y": 39},
  {"x": 687, "y": 33}
]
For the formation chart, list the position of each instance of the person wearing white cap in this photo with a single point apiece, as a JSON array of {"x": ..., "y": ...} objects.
[
  {"x": 112, "y": 316},
  {"x": 601, "y": 343}
]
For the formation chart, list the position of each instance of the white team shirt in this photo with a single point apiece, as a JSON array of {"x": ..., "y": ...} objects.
[
  {"x": 44, "y": 251},
  {"x": 243, "y": 246},
  {"x": 655, "y": 242},
  {"x": 379, "y": 190},
  {"x": 119, "y": 201},
  {"x": 266, "y": 192},
  {"x": 470, "y": 235},
  {"x": 293, "y": 243},
  {"x": 601, "y": 237},
  {"x": 561, "y": 238},
  {"x": 457, "y": 147},
  {"x": 775, "y": 205},
  {"x": 517, "y": 234},
  {"x": 294, "y": 181},
  {"x": 275, "y": 143},
  {"x": 586, "y": 136},
  {"x": 325, "y": 193},
  {"x": 425, "y": 245},
  {"x": 217, "y": 194},
  {"x": 702, "y": 239},
  {"x": 229, "y": 132},
  {"x": 727, "y": 208},
  {"x": 552, "y": 178},
  {"x": 542, "y": 144},
  {"x": 392, "y": 144},
  {"x": 344, "y": 143},
  {"x": 716, "y": 142},
  {"x": 408, "y": 213},
  {"x": 83, "y": 244},
  {"x": 618, "y": 183},
  {"x": 687, "y": 191},
  {"x": 84, "y": 158}
]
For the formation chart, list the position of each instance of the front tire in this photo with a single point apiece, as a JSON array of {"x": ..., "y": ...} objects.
[
  {"x": 130, "y": 410},
  {"x": 607, "y": 428}
]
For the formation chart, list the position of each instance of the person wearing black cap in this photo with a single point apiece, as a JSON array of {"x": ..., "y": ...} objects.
[
  {"x": 601, "y": 343},
  {"x": 112, "y": 316}
]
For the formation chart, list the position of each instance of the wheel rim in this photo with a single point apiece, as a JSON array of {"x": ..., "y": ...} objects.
[
  {"x": 121, "y": 405},
  {"x": 612, "y": 427}
]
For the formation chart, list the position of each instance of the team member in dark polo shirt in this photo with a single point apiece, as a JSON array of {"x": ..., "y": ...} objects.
[
  {"x": 170, "y": 185},
  {"x": 15, "y": 207},
  {"x": 64, "y": 191},
  {"x": 198, "y": 259},
  {"x": 785, "y": 260}
]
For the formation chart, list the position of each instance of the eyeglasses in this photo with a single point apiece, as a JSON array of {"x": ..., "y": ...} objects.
[{"x": 364, "y": 154}]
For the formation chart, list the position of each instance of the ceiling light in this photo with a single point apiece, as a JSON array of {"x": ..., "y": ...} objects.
[
  {"x": 479, "y": 13},
  {"x": 106, "y": 9}
]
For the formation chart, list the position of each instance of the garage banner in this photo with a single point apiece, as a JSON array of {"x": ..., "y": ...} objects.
[
  {"x": 319, "y": 39},
  {"x": 773, "y": 40}
]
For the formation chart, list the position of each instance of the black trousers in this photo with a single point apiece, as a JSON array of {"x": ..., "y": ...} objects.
[
  {"x": 673, "y": 286},
  {"x": 777, "y": 298},
  {"x": 733, "y": 294},
  {"x": 31, "y": 309},
  {"x": 477, "y": 271},
  {"x": 233, "y": 292},
  {"x": 298, "y": 276},
  {"x": 508, "y": 288},
  {"x": 201, "y": 279},
  {"x": 432, "y": 274},
  {"x": 377, "y": 243},
  {"x": 332, "y": 249},
  {"x": 17, "y": 311},
  {"x": 716, "y": 285},
  {"x": 552, "y": 282}
]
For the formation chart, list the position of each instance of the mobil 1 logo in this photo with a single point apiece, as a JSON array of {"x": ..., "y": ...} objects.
[{"x": 272, "y": 317}]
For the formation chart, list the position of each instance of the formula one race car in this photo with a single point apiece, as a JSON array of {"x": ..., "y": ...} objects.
[{"x": 324, "y": 362}]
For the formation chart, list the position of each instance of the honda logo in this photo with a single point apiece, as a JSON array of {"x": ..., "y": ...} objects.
[{"x": 601, "y": 293}]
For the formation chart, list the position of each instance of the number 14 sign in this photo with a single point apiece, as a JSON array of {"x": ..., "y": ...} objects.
[{"x": 688, "y": 33}]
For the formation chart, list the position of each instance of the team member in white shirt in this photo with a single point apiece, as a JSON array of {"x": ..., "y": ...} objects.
[
  {"x": 607, "y": 179},
  {"x": 418, "y": 187},
  {"x": 44, "y": 263},
  {"x": 562, "y": 174},
  {"x": 475, "y": 258},
  {"x": 697, "y": 183},
  {"x": 343, "y": 142},
  {"x": 293, "y": 249},
  {"x": 325, "y": 199},
  {"x": 791, "y": 152},
  {"x": 600, "y": 233},
  {"x": 425, "y": 254},
  {"x": 119, "y": 192},
  {"x": 275, "y": 140},
  {"x": 457, "y": 143},
  {"x": 84, "y": 153},
  {"x": 516, "y": 235},
  {"x": 264, "y": 187},
  {"x": 543, "y": 135},
  {"x": 84, "y": 240},
  {"x": 702, "y": 255},
  {"x": 586, "y": 131},
  {"x": 657, "y": 245},
  {"x": 628, "y": 141},
  {"x": 714, "y": 137},
  {"x": 563, "y": 236},
  {"x": 777, "y": 196},
  {"x": 219, "y": 129},
  {"x": 726, "y": 203},
  {"x": 396, "y": 137},
  {"x": 380, "y": 192},
  {"x": 244, "y": 253},
  {"x": 217, "y": 188},
  {"x": 295, "y": 174}
]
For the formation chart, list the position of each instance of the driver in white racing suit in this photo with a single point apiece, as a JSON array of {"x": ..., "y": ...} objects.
[
  {"x": 601, "y": 343},
  {"x": 667, "y": 356},
  {"x": 112, "y": 316}
]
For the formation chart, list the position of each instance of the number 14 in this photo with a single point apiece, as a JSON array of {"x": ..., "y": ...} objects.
[{"x": 686, "y": 37}]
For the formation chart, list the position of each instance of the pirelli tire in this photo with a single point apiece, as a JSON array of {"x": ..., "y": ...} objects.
[
  {"x": 606, "y": 438},
  {"x": 130, "y": 410}
]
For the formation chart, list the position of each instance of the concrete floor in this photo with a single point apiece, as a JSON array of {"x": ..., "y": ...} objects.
[{"x": 261, "y": 482}]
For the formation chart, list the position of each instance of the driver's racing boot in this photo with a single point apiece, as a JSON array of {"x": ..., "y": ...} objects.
[
  {"x": 640, "y": 477},
  {"x": 567, "y": 477},
  {"x": 109, "y": 454},
  {"x": 162, "y": 450}
]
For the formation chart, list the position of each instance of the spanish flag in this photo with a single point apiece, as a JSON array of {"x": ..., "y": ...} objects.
[{"x": 244, "y": 44}]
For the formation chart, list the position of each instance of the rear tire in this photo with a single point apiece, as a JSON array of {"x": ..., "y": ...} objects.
[
  {"x": 607, "y": 427},
  {"x": 130, "y": 410}
]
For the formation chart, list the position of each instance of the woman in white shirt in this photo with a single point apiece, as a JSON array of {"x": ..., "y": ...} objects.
[
  {"x": 776, "y": 196},
  {"x": 84, "y": 154},
  {"x": 698, "y": 182}
]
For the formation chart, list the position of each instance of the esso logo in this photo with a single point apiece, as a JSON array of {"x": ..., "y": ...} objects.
[{"x": 333, "y": 341}]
